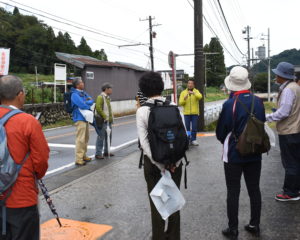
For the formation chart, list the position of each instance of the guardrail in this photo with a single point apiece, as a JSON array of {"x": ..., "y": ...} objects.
[{"x": 212, "y": 112}]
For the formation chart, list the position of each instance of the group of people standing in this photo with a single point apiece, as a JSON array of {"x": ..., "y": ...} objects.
[
  {"x": 80, "y": 100},
  {"x": 231, "y": 123},
  {"x": 27, "y": 145}
]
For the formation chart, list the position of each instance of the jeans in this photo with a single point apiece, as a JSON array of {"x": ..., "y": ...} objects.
[
  {"x": 290, "y": 157},
  {"x": 102, "y": 139},
  {"x": 194, "y": 119},
  {"x": 152, "y": 176},
  {"x": 233, "y": 174}
]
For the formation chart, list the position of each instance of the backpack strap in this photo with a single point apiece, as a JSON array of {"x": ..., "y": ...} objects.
[{"x": 9, "y": 114}]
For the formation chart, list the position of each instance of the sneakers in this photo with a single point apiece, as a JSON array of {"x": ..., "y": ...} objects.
[
  {"x": 194, "y": 143},
  {"x": 285, "y": 198},
  {"x": 254, "y": 230},
  {"x": 230, "y": 233}
]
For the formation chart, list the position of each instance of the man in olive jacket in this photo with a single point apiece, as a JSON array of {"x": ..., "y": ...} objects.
[
  {"x": 103, "y": 108},
  {"x": 189, "y": 99}
]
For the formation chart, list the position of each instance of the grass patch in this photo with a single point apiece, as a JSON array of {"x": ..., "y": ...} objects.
[
  {"x": 28, "y": 78},
  {"x": 59, "y": 124},
  {"x": 211, "y": 127},
  {"x": 268, "y": 108},
  {"x": 214, "y": 94}
]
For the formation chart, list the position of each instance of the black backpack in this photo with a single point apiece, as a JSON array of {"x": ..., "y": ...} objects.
[
  {"x": 166, "y": 134},
  {"x": 68, "y": 102}
]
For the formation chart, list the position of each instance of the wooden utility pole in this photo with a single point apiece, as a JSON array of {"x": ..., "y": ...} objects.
[
  {"x": 199, "y": 57},
  {"x": 151, "y": 40}
]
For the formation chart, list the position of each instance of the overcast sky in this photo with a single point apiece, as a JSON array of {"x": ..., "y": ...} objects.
[{"x": 176, "y": 32}]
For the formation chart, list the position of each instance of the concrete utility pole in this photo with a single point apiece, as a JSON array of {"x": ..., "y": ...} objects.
[
  {"x": 247, "y": 31},
  {"x": 199, "y": 57},
  {"x": 269, "y": 64}
]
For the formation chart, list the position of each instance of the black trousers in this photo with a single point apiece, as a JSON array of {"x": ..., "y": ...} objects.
[
  {"x": 290, "y": 157},
  {"x": 152, "y": 176},
  {"x": 233, "y": 173},
  {"x": 21, "y": 224}
]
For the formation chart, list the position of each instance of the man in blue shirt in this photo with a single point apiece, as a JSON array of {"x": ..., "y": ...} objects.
[{"x": 80, "y": 100}]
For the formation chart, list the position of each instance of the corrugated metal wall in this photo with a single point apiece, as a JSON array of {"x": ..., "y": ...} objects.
[{"x": 124, "y": 81}]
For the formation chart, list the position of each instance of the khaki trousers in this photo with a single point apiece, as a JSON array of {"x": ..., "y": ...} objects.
[{"x": 82, "y": 139}]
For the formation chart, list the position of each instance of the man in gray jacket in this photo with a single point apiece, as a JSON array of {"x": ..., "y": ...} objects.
[{"x": 287, "y": 117}]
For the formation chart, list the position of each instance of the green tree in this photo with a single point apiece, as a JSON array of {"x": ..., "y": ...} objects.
[
  {"x": 16, "y": 11},
  {"x": 101, "y": 55},
  {"x": 260, "y": 83},
  {"x": 84, "y": 49},
  {"x": 216, "y": 70}
]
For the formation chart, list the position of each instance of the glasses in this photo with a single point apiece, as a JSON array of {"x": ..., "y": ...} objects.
[{"x": 23, "y": 91}]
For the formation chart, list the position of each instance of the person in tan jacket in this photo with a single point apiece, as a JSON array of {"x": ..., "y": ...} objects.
[{"x": 287, "y": 119}]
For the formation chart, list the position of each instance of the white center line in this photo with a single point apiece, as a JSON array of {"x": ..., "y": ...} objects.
[{"x": 112, "y": 149}]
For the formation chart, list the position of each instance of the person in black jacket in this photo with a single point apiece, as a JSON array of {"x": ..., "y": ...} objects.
[{"x": 231, "y": 123}]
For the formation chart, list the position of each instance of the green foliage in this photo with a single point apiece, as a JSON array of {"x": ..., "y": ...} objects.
[
  {"x": 260, "y": 83},
  {"x": 214, "y": 94},
  {"x": 33, "y": 43},
  {"x": 215, "y": 66},
  {"x": 41, "y": 95},
  {"x": 291, "y": 56}
]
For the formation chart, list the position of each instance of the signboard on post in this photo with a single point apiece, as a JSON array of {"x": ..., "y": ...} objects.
[
  {"x": 4, "y": 61},
  {"x": 60, "y": 76}
]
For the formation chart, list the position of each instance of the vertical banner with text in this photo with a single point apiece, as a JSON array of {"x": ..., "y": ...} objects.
[{"x": 4, "y": 61}]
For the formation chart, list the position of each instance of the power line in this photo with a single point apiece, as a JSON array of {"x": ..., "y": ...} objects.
[
  {"x": 229, "y": 28},
  {"x": 72, "y": 25},
  {"x": 212, "y": 31},
  {"x": 125, "y": 39},
  {"x": 222, "y": 25}
]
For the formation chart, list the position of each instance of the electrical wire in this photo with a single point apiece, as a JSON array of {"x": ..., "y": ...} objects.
[
  {"x": 69, "y": 24},
  {"x": 229, "y": 28},
  {"x": 212, "y": 31}
]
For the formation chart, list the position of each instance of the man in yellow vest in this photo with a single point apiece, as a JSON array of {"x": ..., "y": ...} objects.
[{"x": 189, "y": 99}]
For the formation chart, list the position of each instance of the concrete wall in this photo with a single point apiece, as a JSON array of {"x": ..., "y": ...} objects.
[
  {"x": 123, "y": 107},
  {"x": 124, "y": 81}
]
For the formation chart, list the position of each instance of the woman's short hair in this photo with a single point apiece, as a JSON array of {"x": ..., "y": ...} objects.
[{"x": 151, "y": 84}]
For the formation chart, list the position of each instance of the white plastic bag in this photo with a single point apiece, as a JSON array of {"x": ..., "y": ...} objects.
[
  {"x": 166, "y": 196},
  {"x": 271, "y": 135},
  {"x": 88, "y": 115}
]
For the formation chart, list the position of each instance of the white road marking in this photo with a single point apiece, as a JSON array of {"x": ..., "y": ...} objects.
[{"x": 112, "y": 149}]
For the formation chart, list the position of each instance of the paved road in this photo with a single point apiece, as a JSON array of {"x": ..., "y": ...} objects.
[
  {"x": 62, "y": 142},
  {"x": 116, "y": 195}
]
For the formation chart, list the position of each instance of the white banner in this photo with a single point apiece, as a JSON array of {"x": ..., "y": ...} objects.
[{"x": 4, "y": 61}]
